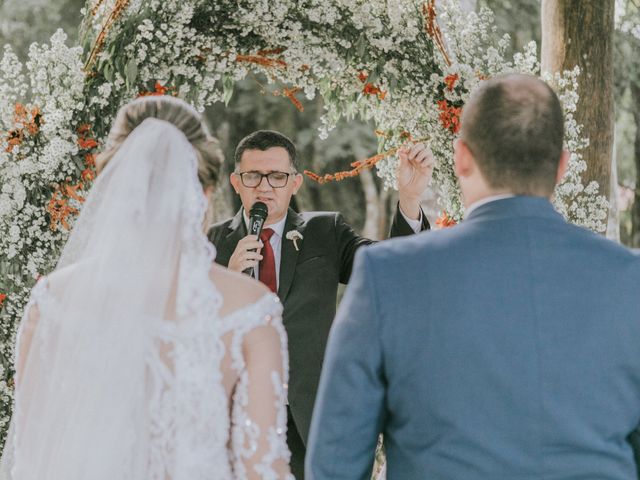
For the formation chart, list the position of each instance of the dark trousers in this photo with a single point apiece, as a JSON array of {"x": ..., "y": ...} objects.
[{"x": 296, "y": 446}]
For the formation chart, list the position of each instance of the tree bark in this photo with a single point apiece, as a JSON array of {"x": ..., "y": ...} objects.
[
  {"x": 613, "y": 225},
  {"x": 635, "y": 210},
  {"x": 580, "y": 32},
  {"x": 372, "y": 217}
]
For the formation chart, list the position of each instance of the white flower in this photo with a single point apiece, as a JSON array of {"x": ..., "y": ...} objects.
[{"x": 295, "y": 236}]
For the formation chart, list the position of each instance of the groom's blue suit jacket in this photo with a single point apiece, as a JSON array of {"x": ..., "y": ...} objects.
[{"x": 507, "y": 347}]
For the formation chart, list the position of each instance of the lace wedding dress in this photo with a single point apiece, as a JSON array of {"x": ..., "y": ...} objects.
[{"x": 130, "y": 363}]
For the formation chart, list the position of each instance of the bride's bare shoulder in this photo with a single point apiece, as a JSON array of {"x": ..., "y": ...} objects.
[{"x": 237, "y": 289}]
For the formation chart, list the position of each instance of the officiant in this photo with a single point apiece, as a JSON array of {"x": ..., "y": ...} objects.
[{"x": 304, "y": 256}]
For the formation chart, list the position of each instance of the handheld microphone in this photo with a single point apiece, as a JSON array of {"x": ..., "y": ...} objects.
[{"x": 257, "y": 216}]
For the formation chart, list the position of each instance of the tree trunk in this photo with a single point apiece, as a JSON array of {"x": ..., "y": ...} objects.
[
  {"x": 372, "y": 217},
  {"x": 613, "y": 225},
  {"x": 635, "y": 210},
  {"x": 580, "y": 32}
]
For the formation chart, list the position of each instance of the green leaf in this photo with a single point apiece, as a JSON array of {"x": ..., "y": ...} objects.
[
  {"x": 131, "y": 72},
  {"x": 108, "y": 71},
  {"x": 361, "y": 45},
  {"x": 227, "y": 88}
]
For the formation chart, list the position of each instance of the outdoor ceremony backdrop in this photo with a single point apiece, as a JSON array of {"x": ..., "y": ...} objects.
[{"x": 368, "y": 76}]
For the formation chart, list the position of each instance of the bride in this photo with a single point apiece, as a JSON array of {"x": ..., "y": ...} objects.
[{"x": 138, "y": 358}]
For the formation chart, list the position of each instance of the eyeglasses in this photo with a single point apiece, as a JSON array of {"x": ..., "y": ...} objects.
[{"x": 274, "y": 179}]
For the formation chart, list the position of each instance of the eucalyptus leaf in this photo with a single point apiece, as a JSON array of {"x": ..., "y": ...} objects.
[
  {"x": 227, "y": 88},
  {"x": 361, "y": 45},
  {"x": 132, "y": 71},
  {"x": 108, "y": 72}
]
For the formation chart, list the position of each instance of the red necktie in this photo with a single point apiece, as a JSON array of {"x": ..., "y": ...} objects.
[{"x": 268, "y": 263}]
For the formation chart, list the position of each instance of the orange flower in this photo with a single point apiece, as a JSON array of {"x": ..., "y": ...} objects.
[
  {"x": 451, "y": 80},
  {"x": 87, "y": 143},
  {"x": 58, "y": 207},
  {"x": 20, "y": 111},
  {"x": 84, "y": 128},
  {"x": 90, "y": 159},
  {"x": 362, "y": 76},
  {"x": 159, "y": 90},
  {"x": 36, "y": 120},
  {"x": 88, "y": 175},
  {"x": 260, "y": 60},
  {"x": 72, "y": 192},
  {"x": 14, "y": 138},
  {"x": 290, "y": 93},
  {"x": 445, "y": 221},
  {"x": 24, "y": 122},
  {"x": 449, "y": 116},
  {"x": 371, "y": 89},
  {"x": 3, "y": 297}
]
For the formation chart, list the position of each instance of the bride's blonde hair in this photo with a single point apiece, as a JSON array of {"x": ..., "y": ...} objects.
[{"x": 176, "y": 112}]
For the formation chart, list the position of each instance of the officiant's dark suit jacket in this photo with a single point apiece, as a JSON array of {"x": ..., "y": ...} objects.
[{"x": 308, "y": 289}]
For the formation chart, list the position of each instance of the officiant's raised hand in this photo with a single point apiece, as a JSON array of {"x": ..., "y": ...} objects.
[{"x": 414, "y": 176}]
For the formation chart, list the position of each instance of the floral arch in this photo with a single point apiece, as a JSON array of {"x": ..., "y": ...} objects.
[{"x": 396, "y": 63}]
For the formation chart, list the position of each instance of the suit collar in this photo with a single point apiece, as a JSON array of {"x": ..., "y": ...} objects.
[
  {"x": 237, "y": 223},
  {"x": 518, "y": 206},
  {"x": 289, "y": 254},
  {"x": 236, "y": 231}
]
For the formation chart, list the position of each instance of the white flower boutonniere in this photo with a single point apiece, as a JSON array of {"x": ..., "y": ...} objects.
[{"x": 294, "y": 235}]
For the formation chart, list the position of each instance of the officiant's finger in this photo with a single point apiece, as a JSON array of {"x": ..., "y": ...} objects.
[
  {"x": 249, "y": 264},
  {"x": 419, "y": 152},
  {"x": 424, "y": 157},
  {"x": 250, "y": 242},
  {"x": 252, "y": 256},
  {"x": 403, "y": 157}
]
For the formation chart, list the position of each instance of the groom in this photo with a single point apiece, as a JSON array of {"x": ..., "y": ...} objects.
[
  {"x": 516, "y": 353},
  {"x": 303, "y": 257}
]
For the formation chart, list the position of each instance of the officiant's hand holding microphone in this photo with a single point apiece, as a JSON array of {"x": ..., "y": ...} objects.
[
  {"x": 415, "y": 168},
  {"x": 246, "y": 256}
]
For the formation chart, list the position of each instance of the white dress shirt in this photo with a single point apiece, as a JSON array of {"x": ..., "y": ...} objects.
[{"x": 278, "y": 233}]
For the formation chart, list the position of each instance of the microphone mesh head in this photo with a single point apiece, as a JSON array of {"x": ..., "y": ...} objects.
[{"x": 260, "y": 210}]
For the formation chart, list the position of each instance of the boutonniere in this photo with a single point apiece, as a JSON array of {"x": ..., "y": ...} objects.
[{"x": 294, "y": 235}]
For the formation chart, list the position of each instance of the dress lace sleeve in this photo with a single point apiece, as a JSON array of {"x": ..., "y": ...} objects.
[{"x": 259, "y": 412}]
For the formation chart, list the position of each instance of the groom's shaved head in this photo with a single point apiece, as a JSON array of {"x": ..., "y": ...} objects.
[{"x": 514, "y": 127}]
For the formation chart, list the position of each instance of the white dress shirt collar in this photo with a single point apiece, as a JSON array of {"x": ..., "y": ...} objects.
[{"x": 484, "y": 201}]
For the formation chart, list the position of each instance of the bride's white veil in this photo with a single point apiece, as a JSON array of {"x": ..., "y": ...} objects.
[{"x": 100, "y": 391}]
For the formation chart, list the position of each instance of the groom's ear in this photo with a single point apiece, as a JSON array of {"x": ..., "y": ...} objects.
[
  {"x": 463, "y": 159},
  {"x": 562, "y": 165}
]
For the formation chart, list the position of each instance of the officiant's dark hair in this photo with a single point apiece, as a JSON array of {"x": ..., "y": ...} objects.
[
  {"x": 177, "y": 112},
  {"x": 264, "y": 140},
  {"x": 513, "y": 125}
]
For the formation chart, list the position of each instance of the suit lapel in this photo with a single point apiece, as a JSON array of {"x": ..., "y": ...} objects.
[
  {"x": 236, "y": 231},
  {"x": 288, "y": 253}
]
